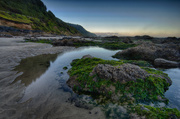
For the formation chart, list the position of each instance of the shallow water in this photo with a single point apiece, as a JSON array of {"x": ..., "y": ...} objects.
[
  {"x": 173, "y": 94},
  {"x": 34, "y": 67},
  {"x": 55, "y": 76},
  {"x": 49, "y": 88}
]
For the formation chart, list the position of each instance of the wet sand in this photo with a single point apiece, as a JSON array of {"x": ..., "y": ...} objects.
[{"x": 12, "y": 51}]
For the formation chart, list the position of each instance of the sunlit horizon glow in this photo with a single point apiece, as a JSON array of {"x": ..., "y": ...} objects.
[{"x": 160, "y": 18}]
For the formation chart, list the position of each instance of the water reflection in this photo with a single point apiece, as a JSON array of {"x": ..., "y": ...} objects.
[
  {"x": 41, "y": 80},
  {"x": 33, "y": 68},
  {"x": 46, "y": 83},
  {"x": 55, "y": 76}
]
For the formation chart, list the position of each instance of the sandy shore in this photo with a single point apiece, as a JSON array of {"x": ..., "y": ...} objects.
[{"x": 12, "y": 51}]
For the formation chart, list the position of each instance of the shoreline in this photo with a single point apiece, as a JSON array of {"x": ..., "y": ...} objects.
[{"x": 13, "y": 50}]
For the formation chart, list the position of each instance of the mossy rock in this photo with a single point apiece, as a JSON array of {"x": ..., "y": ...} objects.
[
  {"x": 150, "y": 88},
  {"x": 39, "y": 41},
  {"x": 156, "y": 112},
  {"x": 65, "y": 68}
]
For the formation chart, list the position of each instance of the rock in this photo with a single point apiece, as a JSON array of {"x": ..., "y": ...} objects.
[
  {"x": 136, "y": 116},
  {"x": 6, "y": 35},
  {"x": 168, "y": 80},
  {"x": 104, "y": 77},
  {"x": 150, "y": 52},
  {"x": 127, "y": 40},
  {"x": 141, "y": 52},
  {"x": 161, "y": 99},
  {"x": 111, "y": 37},
  {"x": 87, "y": 56},
  {"x": 160, "y": 62},
  {"x": 144, "y": 108},
  {"x": 81, "y": 104},
  {"x": 173, "y": 116},
  {"x": 6, "y": 31},
  {"x": 144, "y": 37},
  {"x": 65, "y": 68},
  {"x": 67, "y": 42},
  {"x": 171, "y": 40},
  {"x": 123, "y": 73},
  {"x": 72, "y": 81}
]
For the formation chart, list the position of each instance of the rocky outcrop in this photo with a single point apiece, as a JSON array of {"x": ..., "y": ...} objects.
[
  {"x": 171, "y": 40},
  {"x": 120, "y": 83},
  {"x": 143, "y": 52},
  {"x": 122, "y": 73},
  {"x": 87, "y": 56},
  {"x": 159, "y": 62},
  {"x": 6, "y": 31},
  {"x": 72, "y": 82},
  {"x": 127, "y": 40},
  {"x": 83, "y": 31},
  {"x": 6, "y": 35},
  {"x": 150, "y": 52},
  {"x": 9, "y": 23},
  {"x": 67, "y": 42},
  {"x": 144, "y": 37}
]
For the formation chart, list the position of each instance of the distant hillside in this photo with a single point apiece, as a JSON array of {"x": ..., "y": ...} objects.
[
  {"x": 32, "y": 15},
  {"x": 83, "y": 31}
]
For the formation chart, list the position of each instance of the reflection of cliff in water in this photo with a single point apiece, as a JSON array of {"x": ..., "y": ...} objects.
[{"x": 33, "y": 68}]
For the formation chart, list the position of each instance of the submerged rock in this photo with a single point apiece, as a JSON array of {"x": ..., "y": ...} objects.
[{"x": 160, "y": 62}]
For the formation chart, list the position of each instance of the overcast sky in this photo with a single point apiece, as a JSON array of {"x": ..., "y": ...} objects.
[{"x": 126, "y": 17}]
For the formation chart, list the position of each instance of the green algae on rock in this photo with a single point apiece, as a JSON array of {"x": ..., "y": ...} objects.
[
  {"x": 138, "y": 62},
  {"x": 65, "y": 68},
  {"x": 117, "y": 81},
  {"x": 156, "y": 112},
  {"x": 97, "y": 77},
  {"x": 39, "y": 41},
  {"x": 105, "y": 44}
]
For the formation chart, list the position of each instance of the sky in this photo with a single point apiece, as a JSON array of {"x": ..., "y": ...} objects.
[{"x": 160, "y": 18}]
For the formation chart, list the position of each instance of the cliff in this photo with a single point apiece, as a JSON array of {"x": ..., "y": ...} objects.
[{"x": 33, "y": 15}]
